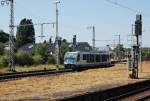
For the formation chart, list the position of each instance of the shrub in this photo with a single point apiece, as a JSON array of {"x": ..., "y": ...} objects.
[
  {"x": 51, "y": 59},
  {"x": 37, "y": 59},
  {"x": 1, "y": 48},
  {"x": 42, "y": 50},
  {"x": 3, "y": 61},
  {"x": 145, "y": 56},
  {"x": 24, "y": 58}
]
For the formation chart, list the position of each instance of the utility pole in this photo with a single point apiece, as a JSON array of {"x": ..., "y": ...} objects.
[
  {"x": 93, "y": 33},
  {"x": 57, "y": 34},
  {"x": 42, "y": 29},
  {"x": 11, "y": 35},
  {"x": 119, "y": 44},
  {"x": 42, "y": 32}
]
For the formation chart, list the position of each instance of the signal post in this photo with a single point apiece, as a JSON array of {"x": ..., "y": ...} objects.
[{"x": 133, "y": 59}]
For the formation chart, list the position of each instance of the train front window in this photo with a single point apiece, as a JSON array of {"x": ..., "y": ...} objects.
[
  {"x": 70, "y": 58},
  {"x": 84, "y": 56}
]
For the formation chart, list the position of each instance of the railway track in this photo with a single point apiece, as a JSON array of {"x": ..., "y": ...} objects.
[
  {"x": 113, "y": 94},
  {"x": 141, "y": 96},
  {"x": 15, "y": 75},
  {"x": 126, "y": 96},
  {"x": 146, "y": 98}
]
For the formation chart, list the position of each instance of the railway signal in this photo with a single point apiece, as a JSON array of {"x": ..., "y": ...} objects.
[
  {"x": 138, "y": 25},
  {"x": 74, "y": 43},
  {"x": 134, "y": 55}
]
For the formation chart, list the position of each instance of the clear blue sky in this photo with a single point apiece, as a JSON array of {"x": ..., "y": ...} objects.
[{"x": 76, "y": 15}]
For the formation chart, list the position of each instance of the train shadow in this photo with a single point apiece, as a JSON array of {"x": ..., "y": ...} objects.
[{"x": 94, "y": 67}]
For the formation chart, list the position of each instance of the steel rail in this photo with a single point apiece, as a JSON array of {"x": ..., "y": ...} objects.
[
  {"x": 10, "y": 76},
  {"x": 144, "y": 98},
  {"x": 131, "y": 93}
]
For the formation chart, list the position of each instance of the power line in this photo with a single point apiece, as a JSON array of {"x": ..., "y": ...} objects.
[
  {"x": 126, "y": 7},
  {"x": 36, "y": 24}
]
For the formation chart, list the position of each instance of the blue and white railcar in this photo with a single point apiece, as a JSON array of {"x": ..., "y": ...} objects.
[{"x": 86, "y": 59}]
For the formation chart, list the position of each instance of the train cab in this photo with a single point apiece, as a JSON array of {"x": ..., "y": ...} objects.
[{"x": 70, "y": 59}]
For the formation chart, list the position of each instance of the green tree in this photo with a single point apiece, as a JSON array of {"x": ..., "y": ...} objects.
[
  {"x": 1, "y": 48},
  {"x": 51, "y": 59},
  {"x": 3, "y": 61},
  {"x": 145, "y": 53},
  {"x": 37, "y": 59},
  {"x": 4, "y": 37},
  {"x": 25, "y": 32},
  {"x": 42, "y": 50},
  {"x": 64, "y": 47},
  {"x": 24, "y": 58}
]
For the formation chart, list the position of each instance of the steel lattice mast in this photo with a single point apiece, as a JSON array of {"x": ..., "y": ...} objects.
[
  {"x": 11, "y": 33},
  {"x": 11, "y": 37},
  {"x": 57, "y": 34}
]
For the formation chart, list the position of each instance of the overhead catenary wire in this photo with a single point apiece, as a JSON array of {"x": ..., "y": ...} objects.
[
  {"x": 126, "y": 7},
  {"x": 36, "y": 24}
]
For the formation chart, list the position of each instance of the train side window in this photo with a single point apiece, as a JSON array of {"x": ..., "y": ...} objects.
[
  {"x": 103, "y": 58},
  {"x": 84, "y": 56},
  {"x": 88, "y": 58},
  {"x": 92, "y": 58},
  {"x": 78, "y": 57},
  {"x": 107, "y": 58},
  {"x": 97, "y": 58},
  {"x": 100, "y": 58}
]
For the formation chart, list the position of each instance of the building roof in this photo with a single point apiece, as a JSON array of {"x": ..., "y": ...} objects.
[
  {"x": 51, "y": 47},
  {"x": 81, "y": 46},
  {"x": 29, "y": 47}
]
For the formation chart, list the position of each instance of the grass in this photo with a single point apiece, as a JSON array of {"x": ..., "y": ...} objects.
[
  {"x": 55, "y": 86},
  {"x": 30, "y": 68}
]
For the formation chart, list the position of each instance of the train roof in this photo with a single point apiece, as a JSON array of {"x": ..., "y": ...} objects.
[
  {"x": 101, "y": 50},
  {"x": 93, "y": 52},
  {"x": 106, "y": 49}
]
